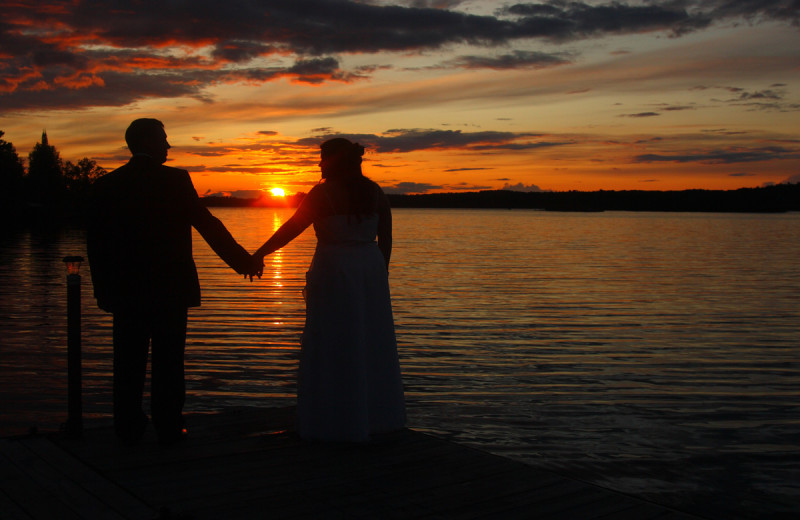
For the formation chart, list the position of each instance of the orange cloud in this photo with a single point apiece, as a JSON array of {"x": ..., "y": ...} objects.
[{"x": 79, "y": 80}]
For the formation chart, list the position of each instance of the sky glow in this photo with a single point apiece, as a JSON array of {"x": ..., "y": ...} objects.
[{"x": 446, "y": 95}]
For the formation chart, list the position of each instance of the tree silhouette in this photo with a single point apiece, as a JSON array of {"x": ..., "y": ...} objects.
[
  {"x": 44, "y": 184},
  {"x": 79, "y": 177},
  {"x": 11, "y": 174},
  {"x": 49, "y": 190}
]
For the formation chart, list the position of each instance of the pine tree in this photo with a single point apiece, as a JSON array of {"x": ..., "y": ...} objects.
[{"x": 44, "y": 184}]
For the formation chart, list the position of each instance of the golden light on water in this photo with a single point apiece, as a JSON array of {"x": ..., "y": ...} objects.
[{"x": 277, "y": 256}]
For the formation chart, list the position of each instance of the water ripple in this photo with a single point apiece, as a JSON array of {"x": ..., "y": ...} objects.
[{"x": 651, "y": 353}]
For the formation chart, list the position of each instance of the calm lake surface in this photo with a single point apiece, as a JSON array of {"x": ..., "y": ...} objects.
[{"x": 651, "y": 353}]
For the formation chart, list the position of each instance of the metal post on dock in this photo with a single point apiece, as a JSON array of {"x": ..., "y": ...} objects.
[{"x": 74, "y": 425}]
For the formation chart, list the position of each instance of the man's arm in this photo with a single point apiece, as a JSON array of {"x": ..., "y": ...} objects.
[
  {"x": 216, "y": 234},
  {"x": 98, "y": 242}
]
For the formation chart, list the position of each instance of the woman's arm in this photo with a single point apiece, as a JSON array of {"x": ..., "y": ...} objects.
[{"x": 292, "y": 228}]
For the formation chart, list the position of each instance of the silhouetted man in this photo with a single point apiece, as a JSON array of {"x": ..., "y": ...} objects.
[{"x": 140, "y": 253}]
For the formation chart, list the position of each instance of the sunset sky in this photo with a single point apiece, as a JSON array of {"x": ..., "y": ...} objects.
[{"x": 447, "y": 95}]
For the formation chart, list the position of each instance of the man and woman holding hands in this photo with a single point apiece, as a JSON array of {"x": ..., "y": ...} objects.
[{"x": 139, "y": 244}]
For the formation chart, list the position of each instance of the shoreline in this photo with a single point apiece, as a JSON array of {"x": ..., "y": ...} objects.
[{"x": 779, "y": 198}]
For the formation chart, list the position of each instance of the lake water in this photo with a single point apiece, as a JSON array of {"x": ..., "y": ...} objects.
[{"x": 651, "y": 353}]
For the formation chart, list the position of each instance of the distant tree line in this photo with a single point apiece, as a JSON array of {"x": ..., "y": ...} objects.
[
  {"x": 49, "y": 187},
  {"x": 769, "y": 199}
]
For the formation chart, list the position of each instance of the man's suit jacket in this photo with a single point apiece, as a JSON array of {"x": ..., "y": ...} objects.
[{"x": 139, "y": 238}]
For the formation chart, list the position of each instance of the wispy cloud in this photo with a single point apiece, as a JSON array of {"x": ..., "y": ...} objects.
[
  {"x": 641, "y": 114},
  {"x": 521, "y": 187},
  {"x": 773, "y": 98},
  {"x": 515, "y": 60},
  {"x": 404, "y": 188},
  {"x": 409, "y": 140},
  {"x": 727, "y": 156}
]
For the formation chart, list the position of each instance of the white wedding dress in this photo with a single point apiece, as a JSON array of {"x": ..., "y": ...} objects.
[{"x": 349, "y": 382}]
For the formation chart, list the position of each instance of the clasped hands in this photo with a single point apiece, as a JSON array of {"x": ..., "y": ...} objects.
[{"x": 255, "y": 268}]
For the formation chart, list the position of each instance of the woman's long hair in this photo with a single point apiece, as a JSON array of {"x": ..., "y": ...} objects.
[{"x": 345, "y": 170}]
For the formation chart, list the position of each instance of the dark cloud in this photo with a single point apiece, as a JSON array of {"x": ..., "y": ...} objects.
[
  {"x": 235, "y": 168},
  {"x": 521, "y": 187},
  {"x": 58, "y": 53},
  {"x": 762, "y": 94},
  {"x": 112, "y": 89},
  {"x": 754, "y": 10},
  {"x": 769, "y": 153},
  {"x": 724, "y": 131},
  {"x": 404, "y": 188},
  {"x": 521, "y": 146},
  {"x": 514, "y": 60},
  {"x": 771, "y": 99},
  {"x": 678, "y": 108},
  {"x": 572, "y": 20},
  {"x": 62, "y": 88},
  {"x": 641, "y": 114},
  {"x": 464, "y": 186},
  {"x": 410, "y": 140},
  {"x": 271, "y": 147},
  {"x": 238, "y": 51},
  {"x": 310, "y": 27},
  {"x": 207, "y": 153},
  {"x": 569, "y": 20},
  {"x": 237, "y": 194},
  {"x": 392, "y": 141},
  {"x": 435, "y": 4},
  {"x": 319, "y": 70}
]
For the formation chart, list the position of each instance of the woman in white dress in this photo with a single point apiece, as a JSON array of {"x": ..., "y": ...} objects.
[{"x": 349, "y": 383}]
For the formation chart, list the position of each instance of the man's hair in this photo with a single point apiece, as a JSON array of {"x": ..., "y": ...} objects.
[{"x": 142, "y": 131}]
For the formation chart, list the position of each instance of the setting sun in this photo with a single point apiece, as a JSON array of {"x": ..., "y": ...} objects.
[{"x": 278, "y": 192}]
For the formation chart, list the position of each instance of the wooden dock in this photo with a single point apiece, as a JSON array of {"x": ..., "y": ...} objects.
[{"x": 248, "y": 464}]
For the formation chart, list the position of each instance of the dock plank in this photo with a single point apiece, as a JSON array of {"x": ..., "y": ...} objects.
[
  {"x": 248, "y": 463},
  {"x": 44, "y": 481}
]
